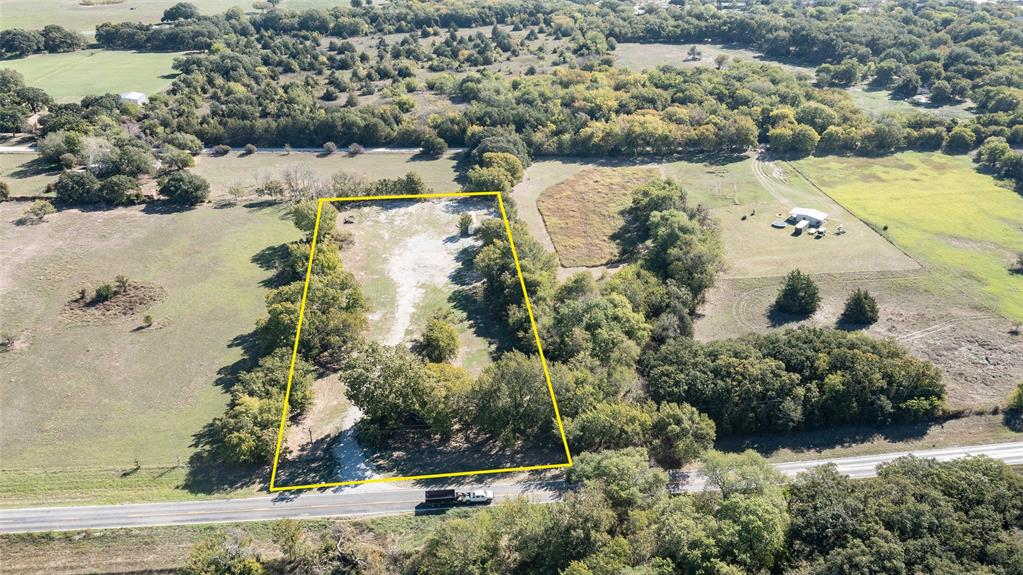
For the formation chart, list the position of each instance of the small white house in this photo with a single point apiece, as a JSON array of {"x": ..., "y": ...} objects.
[
  {"x": 137, "y": 98},
  {"x": 814, "y": 217}
]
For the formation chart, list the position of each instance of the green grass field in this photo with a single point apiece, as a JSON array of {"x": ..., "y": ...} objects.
[
  {"x": 69, "y": 77},
  {"x": 876, "y": 102},
  {"x": 25, "y": 174},
  {"x": 942, "y": 211},
  {"x": 98, "y": 395},
  {"x": 235, "y": 169}
]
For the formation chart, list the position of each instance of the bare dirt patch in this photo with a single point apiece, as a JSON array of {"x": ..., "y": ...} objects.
[{"x": 133, "y": 299}]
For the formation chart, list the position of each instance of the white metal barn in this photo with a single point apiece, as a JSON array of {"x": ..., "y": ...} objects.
[
  {"x": 138, "y": 98},
  {"x": 814, "y": 218}
]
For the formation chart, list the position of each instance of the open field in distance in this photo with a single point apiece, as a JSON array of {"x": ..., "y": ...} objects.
[
  {"x": 249, "y": 170},
  {"x": 71, "y": 76},
  {"x": 938, "y": 208}
]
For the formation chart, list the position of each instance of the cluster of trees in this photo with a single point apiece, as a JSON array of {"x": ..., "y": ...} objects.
[
  {"x": 795, "y": 379},
  {"x": 18, "y": 101},
  {"x": 54, "y": 39},
  {"x": 917, "y": 516}
]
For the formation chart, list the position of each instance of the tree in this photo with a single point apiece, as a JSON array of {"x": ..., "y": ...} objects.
[
  {"x": 511, "y": 399},
  {"x": 19, "y": 43},
  {"x": 77, "y": 187},
  {"x": 611, "y": 425},
  {"x": 329, "y": 148},
  {"x": 180, "y": 11},
  {"x": 439, "y": 342},
  {"x": 860, "y": 308},
  {"x": 433, "y": 145},
  {"x": 37, "y": 211},
  {"x": 798, "y": 295},
  {"x": 249, "y": 149},
  {"x": 59, "y": 39},
  {"x": 388, "y": 384},
  {"x": 185, "y": 188},
  {"x": 960, "y": 140},
  {"x": 624, "y": 477},
  {"x": 679, "y": 434},
  {"x": 5, "y": 191},
  {"x": 746, "y": 473}
]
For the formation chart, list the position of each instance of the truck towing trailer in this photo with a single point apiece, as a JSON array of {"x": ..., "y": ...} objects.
[{"x": 453, "y": 497}]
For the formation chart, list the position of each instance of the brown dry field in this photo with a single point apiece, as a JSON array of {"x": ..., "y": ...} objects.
[{"x": 582, "y": 212}]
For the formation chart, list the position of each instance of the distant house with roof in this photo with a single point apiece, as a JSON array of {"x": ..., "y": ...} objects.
[
  {"x": 137, "y": 98},
  {"x": 813, "y": 217}
]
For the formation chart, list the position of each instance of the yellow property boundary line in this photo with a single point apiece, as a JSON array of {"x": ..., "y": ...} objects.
[{"x": 298, "y": 331}]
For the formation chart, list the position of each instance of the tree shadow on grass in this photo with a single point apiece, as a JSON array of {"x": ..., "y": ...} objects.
[
  {"x": 821, "y": 439},
  {"x": 466, "y": 298},
  {"x": 778, "y": 318},
  {"x": 36, "y": 167}
]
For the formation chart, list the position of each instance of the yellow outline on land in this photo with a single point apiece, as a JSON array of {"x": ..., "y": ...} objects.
[{"x": 298, "y": 332}]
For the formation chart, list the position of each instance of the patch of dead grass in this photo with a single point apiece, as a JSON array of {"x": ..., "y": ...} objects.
[{"x": 582, "y": 212}]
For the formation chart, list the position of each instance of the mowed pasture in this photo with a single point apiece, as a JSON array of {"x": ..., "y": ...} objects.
[
  {"x": 745, "y": 195},
  {"x": 26, "y": 174},
  {"x": 71, "y": 76},
  {"x": 642, "y": 56},
  {"x": 249, "y": 170},
  {"x": 957, "y": 221},
  {"x": 582, "y": 212},
  {"x": 77, "y": 15},
  {"x": 95, "y": 403}
]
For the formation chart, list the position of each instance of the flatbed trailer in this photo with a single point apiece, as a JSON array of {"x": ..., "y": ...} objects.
[{"x": 454, "y": 497}]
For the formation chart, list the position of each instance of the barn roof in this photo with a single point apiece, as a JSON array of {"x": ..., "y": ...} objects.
[{"x": 809, "y": 213}]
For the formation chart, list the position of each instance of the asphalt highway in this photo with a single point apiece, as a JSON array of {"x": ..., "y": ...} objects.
[{"x": 391, "y": 499}]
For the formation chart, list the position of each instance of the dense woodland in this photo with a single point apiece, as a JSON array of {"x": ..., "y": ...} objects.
[{"x": 638, "y": 395}]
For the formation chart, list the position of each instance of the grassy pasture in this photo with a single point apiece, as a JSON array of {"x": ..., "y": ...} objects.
[
  {"x": 941, "y": 210},
  {"x": 238, "y": 169},
  {"x": 637, "y": 56},
  {"x": 25, "y": 174},
  {"x": 68, "y": 77},
  {"x": 86, "y": 400},
  {"x": 582, "y": 212},
  {"x": 731, "y": 189},
  {"x": 72, "y": 14},
  {"x": 877, "y": 102}
]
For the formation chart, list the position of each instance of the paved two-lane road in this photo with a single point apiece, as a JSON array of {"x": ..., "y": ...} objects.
[{"x": 380, "y": 499}]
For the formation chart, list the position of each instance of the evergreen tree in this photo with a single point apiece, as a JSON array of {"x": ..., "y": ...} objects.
[
  {"x": 798, "y": 295},
  {"x": 860, "y": 308}
]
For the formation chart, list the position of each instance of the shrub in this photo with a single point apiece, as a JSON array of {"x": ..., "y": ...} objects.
[
  {"x": 798, "y": 295},
  {"x": 5, "y": 192},
  {"x": 122, "y": 282},
  {"x": 860, "y": 308},
  {"x": 221, "y": 150},
  {"x": 147, "y": 321},
  {"x": 464, "y": 224},
  {"x": 1016, "y": 403},
  {"x": 182, "y": 141},
  {"x": 250, "y": 149},
  {"x": 103, "y": 293},
  {"x": 68, "y": 161},
  {"x": 185, "y": 188},
  {"x": 36, "y": 211},
  {"x": 329, "y": 148},
  {"x": 120, "y": 190},
  {"x": 355, "y": 149}
]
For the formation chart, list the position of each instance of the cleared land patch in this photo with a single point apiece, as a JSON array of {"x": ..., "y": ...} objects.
[
  {"x": 642, "y": 56},
  {"x": 68, "y": 77},
  {"x": 250, "y": 170},
  {"x": 582, "y": 212},
  {"x": 959, "y": 222},
  {"x": 93, "y": 406},
  {"x": 411, "y": 264}
]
